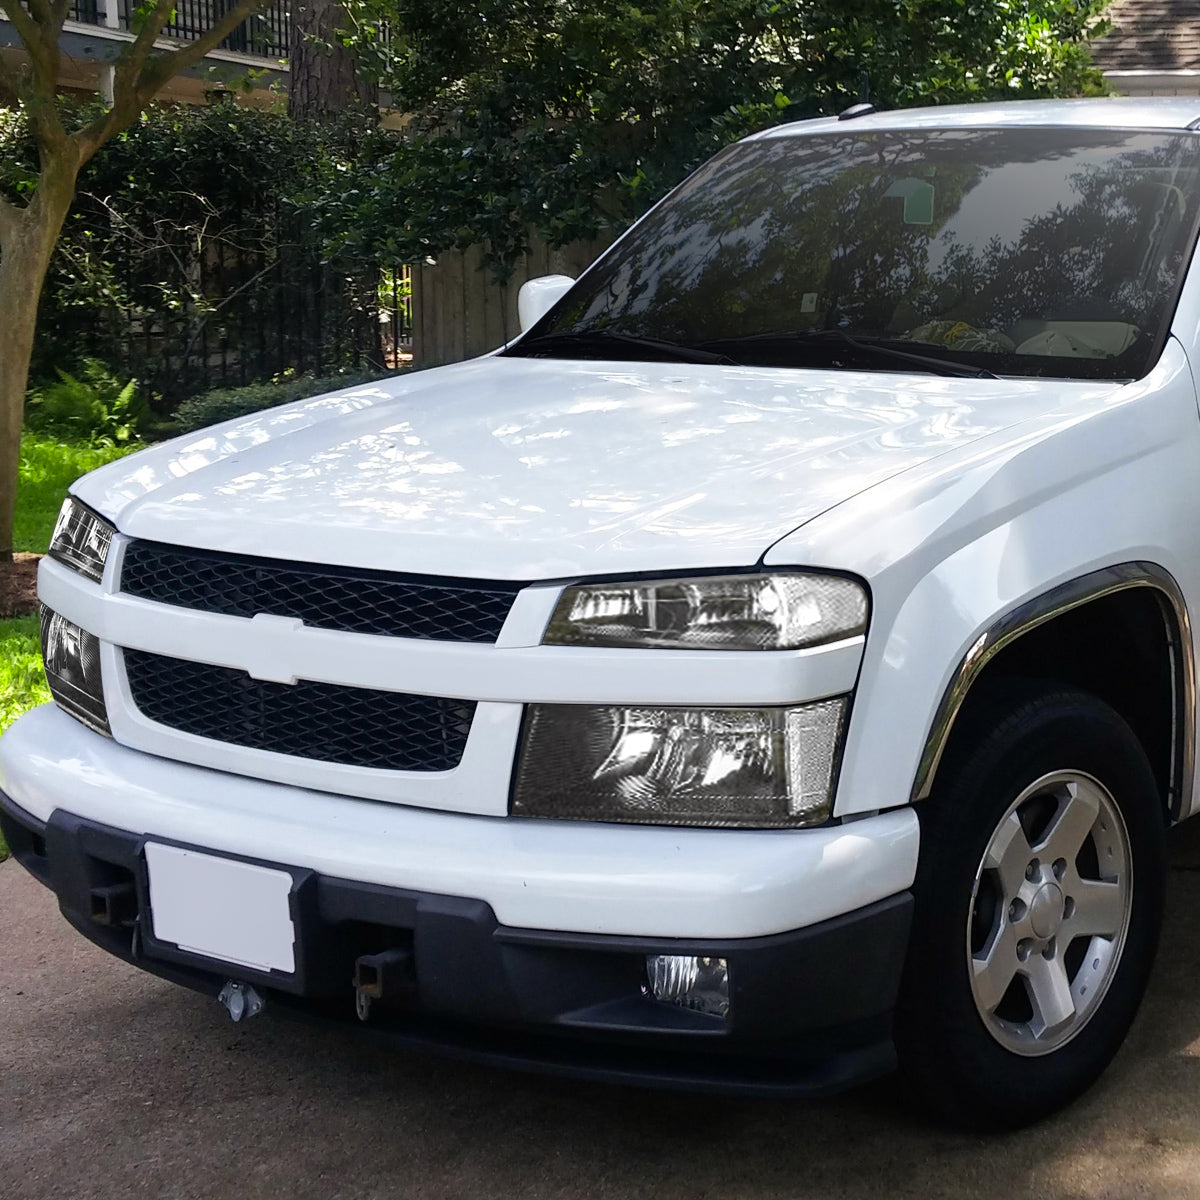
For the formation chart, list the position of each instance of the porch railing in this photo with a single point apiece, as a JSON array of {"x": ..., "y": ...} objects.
[{"x": 267, "y": 34}]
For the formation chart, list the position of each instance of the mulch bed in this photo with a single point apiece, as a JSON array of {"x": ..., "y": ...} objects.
[{"x": 18, "y": 586}]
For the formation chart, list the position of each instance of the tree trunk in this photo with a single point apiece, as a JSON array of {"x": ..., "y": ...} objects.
[
  {"x": 325, "y": 77},
  {"x": 28, "y": 243},
  {"x": 325, "y": 82}
]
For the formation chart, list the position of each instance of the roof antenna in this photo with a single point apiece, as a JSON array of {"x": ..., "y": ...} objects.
[{"x": 864, "y": 105}]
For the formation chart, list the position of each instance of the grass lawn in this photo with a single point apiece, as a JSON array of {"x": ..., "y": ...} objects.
[
  {"x": 22, "y": 684},
  {"x": 47, "y": 469}
]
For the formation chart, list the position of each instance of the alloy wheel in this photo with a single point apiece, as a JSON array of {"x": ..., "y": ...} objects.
[{"x": 1049, "y": 913}]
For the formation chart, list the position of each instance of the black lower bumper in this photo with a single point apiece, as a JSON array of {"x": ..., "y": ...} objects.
[{"x": 810, "y": 1011}]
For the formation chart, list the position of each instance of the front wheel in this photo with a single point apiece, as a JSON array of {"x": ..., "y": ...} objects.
[{"x": 1038, "y": 904}]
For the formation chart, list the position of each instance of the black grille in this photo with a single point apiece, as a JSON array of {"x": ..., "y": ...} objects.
[
  {"x": 240, "y": 585},
  {"x": 357, "y": 727}
]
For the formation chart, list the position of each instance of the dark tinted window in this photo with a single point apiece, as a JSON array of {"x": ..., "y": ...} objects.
[{"x": 1023, "y": 251}]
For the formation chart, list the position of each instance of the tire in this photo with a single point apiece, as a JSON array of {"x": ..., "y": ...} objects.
[{"x": 998, "y": 889}]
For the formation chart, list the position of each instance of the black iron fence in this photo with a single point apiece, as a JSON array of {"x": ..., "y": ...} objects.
[
  {"x": 255, "y": 320},
  {"x": 227, "y": 316}
]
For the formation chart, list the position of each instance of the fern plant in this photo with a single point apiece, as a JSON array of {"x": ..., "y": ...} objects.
[{"x": 92, "y": 406}]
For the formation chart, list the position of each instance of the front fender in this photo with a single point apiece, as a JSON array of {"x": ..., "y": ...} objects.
[{"x": 953, "y": 548}]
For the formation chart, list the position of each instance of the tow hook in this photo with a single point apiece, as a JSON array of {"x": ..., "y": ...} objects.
[
  {"x": 383, "y": 977},
  {"x": 241, "y": 1000}
]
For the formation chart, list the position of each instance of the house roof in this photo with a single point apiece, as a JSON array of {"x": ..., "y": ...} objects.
[{"x": 1150, "y": 35}]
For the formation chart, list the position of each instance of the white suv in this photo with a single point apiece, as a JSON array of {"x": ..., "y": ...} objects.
[{"x": 775, "y": 661}]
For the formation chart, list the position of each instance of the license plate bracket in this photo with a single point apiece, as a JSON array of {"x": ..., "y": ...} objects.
[{"x": 236, "y": 913}]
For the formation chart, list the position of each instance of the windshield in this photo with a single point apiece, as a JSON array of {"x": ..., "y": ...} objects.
[{"x": 1019, "y": 251}]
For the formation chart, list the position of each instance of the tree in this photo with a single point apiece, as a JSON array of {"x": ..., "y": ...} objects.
[
  {"x": 572, "y": 116},
  {"x": 327, "y": 86},
  {"x": 324, "y": 74},
  {"x": 31, "y": 222}
]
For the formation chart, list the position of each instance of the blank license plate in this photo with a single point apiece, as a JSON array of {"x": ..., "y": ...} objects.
[{"x": 221, "y": 908}]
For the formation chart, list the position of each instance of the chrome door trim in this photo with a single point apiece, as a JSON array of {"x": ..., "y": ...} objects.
[{"x": 1062, "y": 599}]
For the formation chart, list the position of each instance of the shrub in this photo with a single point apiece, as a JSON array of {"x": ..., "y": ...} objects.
[
  {"x": 189, "y": 259},
  {"x": 92, "y": 405},
  {"x": 224, "y": 404}
]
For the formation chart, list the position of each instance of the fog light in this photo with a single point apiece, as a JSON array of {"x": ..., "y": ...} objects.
[
  {"x": 72, "y": 660},
  {"x": 701, "y": 984}
]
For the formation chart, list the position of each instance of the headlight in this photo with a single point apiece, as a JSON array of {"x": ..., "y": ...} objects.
[
  {"x": 72, "y": 659},
  {"x": 81, "y": 539},
  {"x": 752, "y": 767},
  {"x": 723, "y": 612}
]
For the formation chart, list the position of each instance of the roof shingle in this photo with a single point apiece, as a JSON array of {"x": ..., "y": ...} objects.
[{"x": 1151, "y": 35}]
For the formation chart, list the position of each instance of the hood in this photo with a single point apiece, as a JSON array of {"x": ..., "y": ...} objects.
[{"x": 523, "y": 469}]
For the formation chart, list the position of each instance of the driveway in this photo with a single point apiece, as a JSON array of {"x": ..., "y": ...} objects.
[{"x": 112, "y": 1082}]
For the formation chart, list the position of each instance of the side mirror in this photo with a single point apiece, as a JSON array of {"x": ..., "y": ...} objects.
[{"x": 537, "y": 297}]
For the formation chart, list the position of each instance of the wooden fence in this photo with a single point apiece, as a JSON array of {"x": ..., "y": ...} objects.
[{"x": 458, "y": 309}]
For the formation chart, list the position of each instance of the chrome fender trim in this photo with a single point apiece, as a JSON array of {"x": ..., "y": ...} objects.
[{"x": 1062, "y": 599}]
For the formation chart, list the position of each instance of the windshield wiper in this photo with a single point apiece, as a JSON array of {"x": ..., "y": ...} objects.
[
  {"x": 868, "y": 347},
  {"x": 600, "y": 339}
]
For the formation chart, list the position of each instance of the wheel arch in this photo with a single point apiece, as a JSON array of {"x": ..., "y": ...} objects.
[{"x": 1049, "y": 635}]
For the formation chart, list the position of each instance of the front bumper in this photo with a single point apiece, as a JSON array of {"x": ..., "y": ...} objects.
[
  {"x": 526, "y": 939},
  {"x": 570, "y": 876},
  {"x": 810, "y": 1009}
]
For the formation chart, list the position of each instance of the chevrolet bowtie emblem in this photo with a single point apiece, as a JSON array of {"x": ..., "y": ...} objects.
[{"x": 272, "y": 651}]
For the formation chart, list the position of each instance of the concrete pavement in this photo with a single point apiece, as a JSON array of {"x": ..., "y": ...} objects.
[{"x": 113, "y": 1083}]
